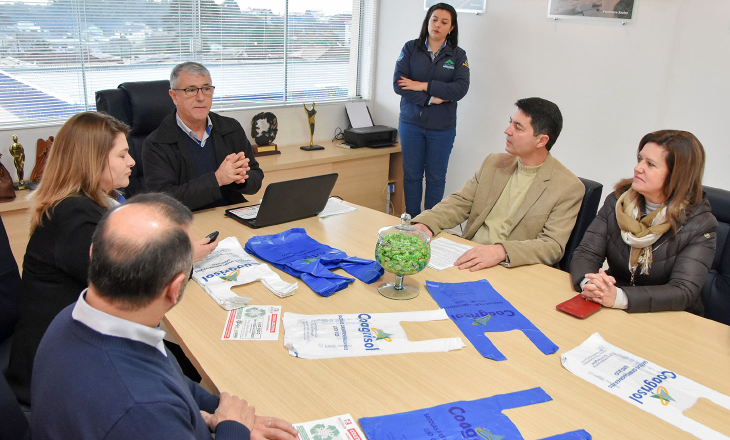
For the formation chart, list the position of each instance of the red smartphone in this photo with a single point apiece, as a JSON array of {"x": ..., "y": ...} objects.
[{"x": 579, "y": 307}]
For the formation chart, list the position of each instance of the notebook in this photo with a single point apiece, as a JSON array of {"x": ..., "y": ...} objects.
[{"x": 287, "y": 201}]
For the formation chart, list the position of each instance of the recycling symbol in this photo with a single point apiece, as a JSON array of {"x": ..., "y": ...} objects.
[
  {"x": 253, "y": 312},
  {"x": 321, "y": 432}
]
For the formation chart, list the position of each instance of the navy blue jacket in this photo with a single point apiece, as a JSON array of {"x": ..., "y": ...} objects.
[
  {"x": 87, "y": 385},
  {"x": 447, "y": 76}
]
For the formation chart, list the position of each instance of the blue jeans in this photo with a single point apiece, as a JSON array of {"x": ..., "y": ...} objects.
[{"x": 424, "y": 151}]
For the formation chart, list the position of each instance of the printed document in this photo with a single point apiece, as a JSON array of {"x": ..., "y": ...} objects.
[
  {"x": 334, "y": 207},
  {"x": 341, "y": 427},
  {"x": 445, "y": 252},
  {"x": 252, "y": 323}
]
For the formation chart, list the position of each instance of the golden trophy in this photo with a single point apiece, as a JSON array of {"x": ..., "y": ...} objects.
[
  {"x": 310, "y": 117},
  {"x": 16, "y": 150}
]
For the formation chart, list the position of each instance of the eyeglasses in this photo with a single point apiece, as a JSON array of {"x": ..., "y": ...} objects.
[{"x": 193, "y": 91}]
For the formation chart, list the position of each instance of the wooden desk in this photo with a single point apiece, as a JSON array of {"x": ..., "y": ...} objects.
[
  {"x": 300, "y": 389},
  {"x": 363, "y": 172}
]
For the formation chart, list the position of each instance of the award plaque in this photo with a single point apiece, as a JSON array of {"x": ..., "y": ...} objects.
[{"x": 264, "y": 128}]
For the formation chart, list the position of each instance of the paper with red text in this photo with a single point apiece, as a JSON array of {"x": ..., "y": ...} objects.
[
  {"x": 342, "y": 427},
  {"x": 253, "y": 323}
]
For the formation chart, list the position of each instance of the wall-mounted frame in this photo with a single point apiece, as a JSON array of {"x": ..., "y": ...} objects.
[
  {"x": 469, "y": 6},
  {"x": 605, "y": 10}
]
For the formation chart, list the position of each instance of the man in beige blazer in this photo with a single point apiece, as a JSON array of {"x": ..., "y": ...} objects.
[{"x": 519, "y": 207}]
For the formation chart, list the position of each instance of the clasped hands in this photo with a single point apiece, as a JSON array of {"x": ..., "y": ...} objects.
[
  {"x": 601, "y": 288},
  {"x": 234, "y": 168},
  {"x": 418, "y": 86},
  {"x": 262, "y": 428}
]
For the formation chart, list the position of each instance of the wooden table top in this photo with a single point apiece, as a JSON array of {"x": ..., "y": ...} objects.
[{"x": 300, "y": 389}]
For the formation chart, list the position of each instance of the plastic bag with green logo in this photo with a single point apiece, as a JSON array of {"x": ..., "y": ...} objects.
[{"x": 477, "y": 419}]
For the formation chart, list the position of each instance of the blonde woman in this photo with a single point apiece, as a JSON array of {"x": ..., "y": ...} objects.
[
  {"x": 88, "y": 162},
  {"x": 655, "y": 231}
]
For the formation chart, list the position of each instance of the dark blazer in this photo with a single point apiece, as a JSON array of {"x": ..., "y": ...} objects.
[
  {"x": 447, "y": 77},
  {"x": 169, "y": 166},
  {"x": 680, "y": 264},
  {"x": 55, "y": 271}
]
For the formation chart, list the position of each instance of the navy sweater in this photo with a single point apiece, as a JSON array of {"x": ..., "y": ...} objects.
[
  {"x": 447, "y": 77},
  {"x": 87, "y": 385}
]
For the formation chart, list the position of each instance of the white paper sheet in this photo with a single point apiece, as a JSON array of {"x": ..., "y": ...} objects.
[
  {"x": 335, "y": 207},
  {"x": 247, "y": 212},
  {"x": 445, "y": 252},
  {"x": 252, "y": 323},
  {"x": 341, "y": 427},
  {"x": 358, "y": 114}
]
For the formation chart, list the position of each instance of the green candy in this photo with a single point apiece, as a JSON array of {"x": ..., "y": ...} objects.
[{"x": 402, "y": 254}]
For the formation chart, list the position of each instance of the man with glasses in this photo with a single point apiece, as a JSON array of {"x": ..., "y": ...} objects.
[{"x": 197, "y": 156}]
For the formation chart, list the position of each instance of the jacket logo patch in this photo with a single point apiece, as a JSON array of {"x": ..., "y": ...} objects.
[
  {"x": 448, "y": 65},
  {"x": 466, "y": 64},
  {"x": 400, "y": 57}
]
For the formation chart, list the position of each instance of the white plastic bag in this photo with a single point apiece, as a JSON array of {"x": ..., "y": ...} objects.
[
  {"x": 360, "y": 334},
  {"x": 228, "y": 266},
  {"x": 643, "y": 384}
]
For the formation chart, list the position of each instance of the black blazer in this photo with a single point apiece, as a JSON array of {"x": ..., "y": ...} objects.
[
  {"x": 169, "y": 166},
  {"x": 55, "y": 271}
]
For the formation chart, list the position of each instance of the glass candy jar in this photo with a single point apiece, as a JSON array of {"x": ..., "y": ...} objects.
[{"x": 402, "y": 250}]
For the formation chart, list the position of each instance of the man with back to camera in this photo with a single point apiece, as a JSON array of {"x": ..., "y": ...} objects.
[
  {"x": 197, "y": 156},
  {"x": 102, "y": 371},
  {"x": 519, "y": 207}
]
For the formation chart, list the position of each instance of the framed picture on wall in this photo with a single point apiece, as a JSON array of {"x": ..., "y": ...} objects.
[
  {"x": 473, "y": 6},
  {"x": 611, "y": 10}
]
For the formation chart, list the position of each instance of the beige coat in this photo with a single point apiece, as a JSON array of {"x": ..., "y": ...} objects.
[{"x": 545, "y": 219}]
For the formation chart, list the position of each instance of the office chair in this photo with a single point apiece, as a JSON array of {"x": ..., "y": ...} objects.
[
  {"x": 141, "y": 105},
  {"x": 716, "y": 291},
  {"x": 13, "y": 423},
  {"x": 10, "y": 291},
  {"x": 588, "y": 210}
]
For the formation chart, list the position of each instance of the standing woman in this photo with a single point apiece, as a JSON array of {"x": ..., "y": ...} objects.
[
  {"x": 431, "y": 74},
  {"x": 655, "y": 231}
]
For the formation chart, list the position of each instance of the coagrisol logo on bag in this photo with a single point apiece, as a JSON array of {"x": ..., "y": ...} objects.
[
  {"x": 371, "y": 334},
  {"x": 653, "y": 388},
  {"x": 467, "y": 430},
  {"x": 481, "y": 317},
  {"x": 229, "y": 273}
]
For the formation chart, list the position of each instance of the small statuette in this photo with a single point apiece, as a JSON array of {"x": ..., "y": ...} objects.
[
  {"x": 16, "y": 150},
  {"x": 310, "y": 118}
]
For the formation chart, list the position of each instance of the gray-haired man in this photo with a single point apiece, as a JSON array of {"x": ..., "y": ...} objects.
[{"x": 197, "y": 156}]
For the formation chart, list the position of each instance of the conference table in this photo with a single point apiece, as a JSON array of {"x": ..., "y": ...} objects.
[{"x": 300, "y": 390}]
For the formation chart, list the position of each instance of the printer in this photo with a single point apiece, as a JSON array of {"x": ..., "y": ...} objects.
[{"x": 373, "y": 136}]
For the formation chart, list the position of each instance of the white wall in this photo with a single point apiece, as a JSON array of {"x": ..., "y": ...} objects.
[
  {"x": 613, "y": 83},
  {"x": 293, "y": 129}
]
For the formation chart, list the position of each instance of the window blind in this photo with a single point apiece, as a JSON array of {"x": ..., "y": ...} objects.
[{"x": 55, "y": 54}]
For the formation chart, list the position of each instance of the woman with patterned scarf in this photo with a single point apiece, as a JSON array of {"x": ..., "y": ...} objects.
[{"x": 655, "y": 232}]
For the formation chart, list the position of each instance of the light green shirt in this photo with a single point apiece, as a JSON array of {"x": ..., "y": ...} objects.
[{"x": 500, "y": 221}]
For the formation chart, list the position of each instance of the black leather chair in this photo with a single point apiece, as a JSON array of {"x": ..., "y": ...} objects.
[
  {"x": 716, "y": 291},
  {"x": 588, "y": 210},
  {"x": 13, "y": 423},
  {"x": 10, "y": 290},
  {"x": 141, "y": 105}
]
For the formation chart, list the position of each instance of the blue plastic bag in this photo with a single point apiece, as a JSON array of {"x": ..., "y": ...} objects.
[
  {"x": 476, "y": 308},
  {"x": 299, "y": 255},
  {"x": 477, "y": 419}
]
